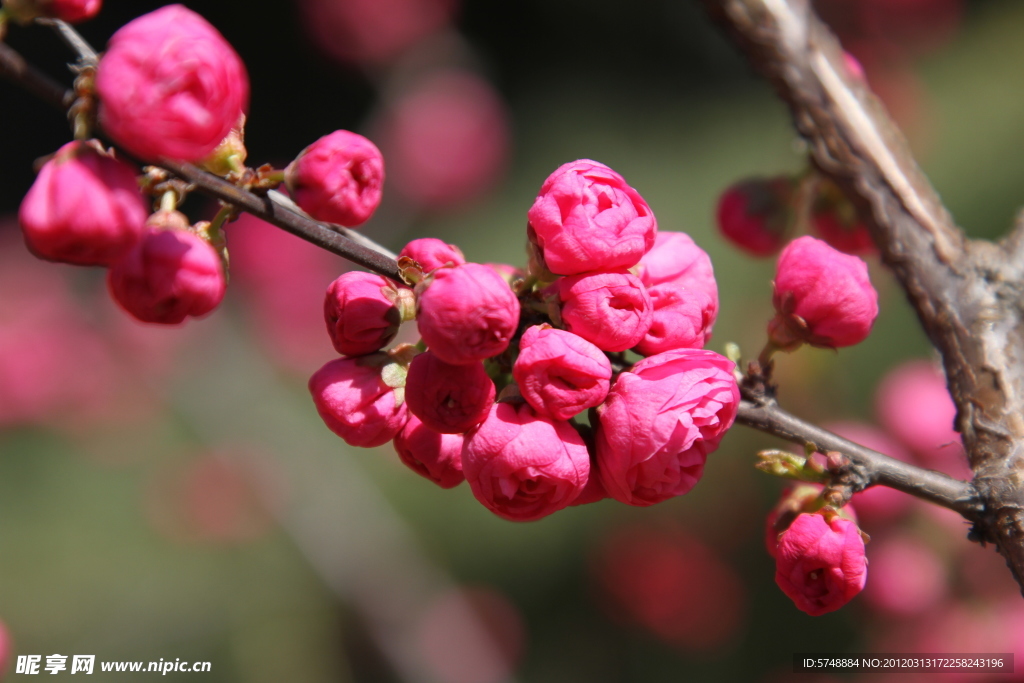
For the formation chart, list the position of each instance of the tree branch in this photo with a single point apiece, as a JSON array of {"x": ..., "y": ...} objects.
[
  {"x": 312, "y": 231},
  {"x": 868, "y": 467},
  {"x": 967, "y": 294},
  {"x": 332, "y": 238}
]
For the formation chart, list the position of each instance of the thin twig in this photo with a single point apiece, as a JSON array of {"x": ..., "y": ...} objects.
[
  {"x": 868, "y": 467},
  {"x": 14, "y": 68},
  {"x": 87, "y": 56},
  {"x": 312, "y": 231}
]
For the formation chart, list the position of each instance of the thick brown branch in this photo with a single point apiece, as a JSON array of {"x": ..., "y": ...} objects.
[
  {"x": 967, "y": 294},
  {"x": 868, "y": 467}
]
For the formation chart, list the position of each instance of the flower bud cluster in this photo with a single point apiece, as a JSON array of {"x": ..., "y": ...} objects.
[
  {"x": 760, "y": 215},
  {"x": 547, "y": 346},
  {"x": 86, "y": 208}
]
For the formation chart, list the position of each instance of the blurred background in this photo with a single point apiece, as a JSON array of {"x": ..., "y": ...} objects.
[{"x": 171, "y": 492}]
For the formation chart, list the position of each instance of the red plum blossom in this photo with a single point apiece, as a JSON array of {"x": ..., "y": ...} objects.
[
  {"x": 660, "y": 421},
  {"x": 431, "y": 454},
  {"x": 587, "y": 218},
  {"x": 84, "y": 207},
  {"x": 523, "y": 466},
  {"x": 170, "y": 275},
  {"x": 676, "y": 259},
  {"x": 169, "y": 85},
  {"x": 755, "y": 214},
  {"x": 466, "y": 313},
  {"x": 680, "y": 319},
  {"x": 610, "y": 309},
  {"x": 822, "y": 297},
  {"x": 432, "y": 253},
  {"x": 361, "y": 399},
  {"x": 363, "y": 312},
  {"x": 820, "y": 563},
  {"x": 448, "y": 398},
  {"x": 560, "y": 374},
  {"x": 338, "y": 179}
]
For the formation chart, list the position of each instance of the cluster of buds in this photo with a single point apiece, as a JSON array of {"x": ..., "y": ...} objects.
[
  {"x": 760, "y": 215},
  {"x": 548, "y": 346},
  {"x": 86, "y": 208},
  {"x": 170, "y": 86}
]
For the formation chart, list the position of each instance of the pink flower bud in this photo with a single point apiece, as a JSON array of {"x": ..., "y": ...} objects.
[
  {"x": 913, "y": 403},
  {"x": 372, "y": 31},
  {"x": 559, "y": 373},
  {"x": 907, "y": 577},
  {"x": 338, "y": 179},
  {"x": 432, "y": 253},
  {"x": 660, "y": 421},
  {"x": 431, "y": 454},
  {"x": 675, "y": 259},
  {"x": 837, "y": 221},
  {"x": 609, "y": 308},
  {"x": 523, "y": 466},
  {"x": 796, "y": 499},
  {"x": 467, "y": 313},
  {"x": 822, "y": 297},
  {"x": 587, "y": 218},
  {"x": 446, "y": 138},
  {"x": 448, "y": 398},
  {"x": 361, "y": 399},
  {"x": 680, "y": 319},
  {"x": 85, "y": 207},
  {"x": 820, "y": 564},
  {"x": 169, "y": 276},
  {"x": 363, "y": 312},
  {"x": 170, "y": 86},
  {"x": 847, "y": 237},
  {"x": 756, "y": 214},
  {"x": 71, "y": 11},
  {"x": 684, "y": 295}
]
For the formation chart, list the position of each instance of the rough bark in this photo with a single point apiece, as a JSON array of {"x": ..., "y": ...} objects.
[{"x": 967, "y": 293}]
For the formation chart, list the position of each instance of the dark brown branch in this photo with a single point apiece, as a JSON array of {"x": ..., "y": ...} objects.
[
  {"x": 854, "y": 143},
  {"x": 868, "y": 467},
  {"x": 14, "y": 68},
  {"x": 297, "y": 224},
  {"x": 967, "y": 294}
]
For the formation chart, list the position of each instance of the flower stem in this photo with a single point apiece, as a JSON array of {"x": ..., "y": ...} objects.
[{"x": 169, "y": 201}]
